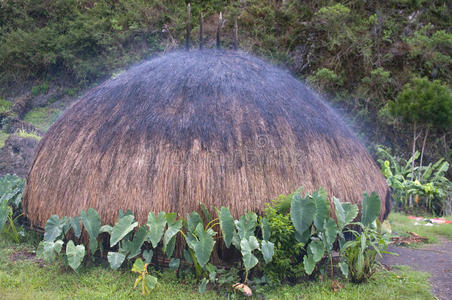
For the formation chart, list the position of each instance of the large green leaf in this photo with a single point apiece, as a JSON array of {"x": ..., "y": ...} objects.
[
  {"x": 322, "y": 210},
  {"x": 156, "y": 227},
  {"x": 205, "y": 212},
  {"x": 169, "y": 238},
  {"x": 204, "y": 245},
  {"x": 139, "y": 266},
  {"x": 91, "y": 222},
  {"x": 247, "y": 246},
  {"x": 370, "y": 208},
  {"x": 124, "y": 225},
  {"x": 268, "y": 249},
  {"x": 147, "y": 255},
  {"x": 344, "y": 268},
  {"x": 340, "y": 213},
  {"x": 138, "y": 240},
  {"x": 226, "y": 225},
  {"x": 265, "y": 227},
  {"x": 309, "y": 264},
  {"x": 317, "y": 250},
  {"x": 11, "y": 188},
  {"x": 76, "y": 226},
  {"x": 302, "y": 212},
  {"x": 150, "y": 282},
  {"x": 105, "y": 229},
  {"x": 247, "y": 225},
  {"x": 330, "y": 234},
  {"x": 115, "y": 259},
  {"x": 193, "y": 220},
  {"x": 4, "y": 212},
  {"x": 75, "y": 255},
  {"x": 48, "y": 250},
  {"x": 351, "y": 211},
  {"x": 174, "y": 263},
  {"x": 53, "y": 228}
]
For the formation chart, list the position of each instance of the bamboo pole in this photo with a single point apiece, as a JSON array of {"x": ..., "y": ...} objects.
[
  {"x": 200, "y": 32},
  {"x": 187, "y": 40},
  {"x": 220, "y": 23},
  {"x": 236, "y": 33}
]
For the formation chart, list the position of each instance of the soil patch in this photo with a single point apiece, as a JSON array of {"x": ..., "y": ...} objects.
[{"x": 435, "y": 259}]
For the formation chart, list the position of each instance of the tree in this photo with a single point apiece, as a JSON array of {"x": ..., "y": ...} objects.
[{"x": 427, "y": 105}]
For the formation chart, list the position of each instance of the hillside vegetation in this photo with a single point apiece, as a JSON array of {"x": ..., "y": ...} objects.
[{"x": 360, "y": 54}]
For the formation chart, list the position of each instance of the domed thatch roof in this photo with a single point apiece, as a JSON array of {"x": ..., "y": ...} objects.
[{"x": 221, "y": 128}]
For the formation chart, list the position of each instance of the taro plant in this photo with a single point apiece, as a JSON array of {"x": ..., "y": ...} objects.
[
  {"x": 148, "y": 282},
  {"x": 240, "y": 233},
  {"x": 11, "y": 189},
  {"x": 200, "y": 241}
]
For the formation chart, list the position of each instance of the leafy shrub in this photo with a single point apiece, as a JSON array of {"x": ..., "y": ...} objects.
[
  {"x": 5, "y": 106},
  {"x": 40, "y": 89},
  {"x": 11, "y": 189},
  {"x": 287, "y": 260},
  {"x": 294, "y": 227}
]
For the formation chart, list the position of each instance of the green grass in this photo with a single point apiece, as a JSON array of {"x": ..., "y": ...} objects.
[
  {"x": 403, "y": 283},
  {"x": 27, "y": 279},
  {"x": 3, "y": 137},
  {"x": 401, "y": 224},
  {"x": 25, "y": 134},
  {"x": 42, "y": 117}
]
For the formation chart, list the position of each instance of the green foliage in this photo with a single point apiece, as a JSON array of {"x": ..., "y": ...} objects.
[
  {"x": 75, "y": 255},
  {"x": 325, "y": 80},
  {"x": 169, "y": 238},
  {"x": 370, "y": 209},
  {"x": 91, "y": 222},
  {"x": 25, "y": 134},
  {"x": 48, "y": 250},
  {"x": 226, "y": 225},
  {"x": 5, "y": 106},
  {"x": 40, "y": 89},
  {"x": 432, "y": 194},
  {"x": 269, "y": 243},
  {"x": 3, "y": 137},
  {"x": 156, "y": 227},
  {"x": 425, "y": 102},
  {"x": 123, "y": 227},
  {"x": 148, "y": 282},
  {"x": 360, "y": 254},
  {"x": 42, "y": 117},
  {"x": 115, "y": 259},
  {"x": 11, "y": 189}
]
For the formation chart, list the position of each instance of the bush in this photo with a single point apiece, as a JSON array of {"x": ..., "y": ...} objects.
[{"x": 287, "y": 262}]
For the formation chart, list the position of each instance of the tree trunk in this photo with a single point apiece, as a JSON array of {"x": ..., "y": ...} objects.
[
  {"x": 422, "y": 153},
  {"x": 412, "y": 161}
]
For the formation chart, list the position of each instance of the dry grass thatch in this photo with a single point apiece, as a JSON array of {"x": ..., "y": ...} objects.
[{"x": 221, "y": 128}]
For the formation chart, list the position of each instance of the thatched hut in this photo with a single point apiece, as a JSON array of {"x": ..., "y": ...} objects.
[{"x": 212, "y": 127}]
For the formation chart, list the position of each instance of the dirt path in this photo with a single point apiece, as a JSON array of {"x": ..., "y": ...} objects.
[{"x": 435, "y": 259}]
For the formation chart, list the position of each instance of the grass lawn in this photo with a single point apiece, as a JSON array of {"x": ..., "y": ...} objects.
[
  {"x": 401, "y": 224},
  {"x": 42, "y": 117},
  {"x": 22, "y": 277}
]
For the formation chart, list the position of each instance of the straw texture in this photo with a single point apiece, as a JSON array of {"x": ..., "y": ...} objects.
[{"x": 217, "y": 127}]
